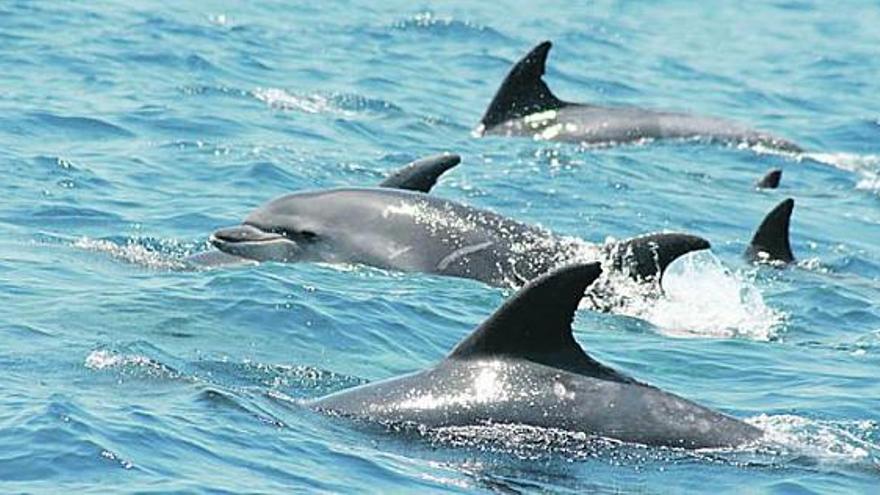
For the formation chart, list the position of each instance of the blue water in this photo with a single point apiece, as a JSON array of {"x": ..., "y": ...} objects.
[{"x": 131, "y": 130}]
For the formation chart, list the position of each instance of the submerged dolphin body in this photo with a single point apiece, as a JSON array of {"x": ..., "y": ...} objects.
[
  {"x": 522, "y": 366},
  {"x": 525, "y": 106},
  {"x": 413, "y": 232}
]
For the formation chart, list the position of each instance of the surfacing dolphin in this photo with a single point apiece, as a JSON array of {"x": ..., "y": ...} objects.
[
  {"x": 522, "y": 366},
  {"x": 771, "y": 244},
  {"x": 414, "y": 232},
  {"x": 419, "y": 175},
  {"x": 525, "y": 106}
]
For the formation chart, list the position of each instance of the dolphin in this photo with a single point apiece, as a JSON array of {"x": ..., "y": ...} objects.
[
  {"x": 770, "y": 179},
  {"x": 522, "y": 366},
  {"x": 770, "y": 244},
  {"x": 413, "y": 232},
  {"x": 525, "y": 106},
  {"x": 419, "y": 175}
]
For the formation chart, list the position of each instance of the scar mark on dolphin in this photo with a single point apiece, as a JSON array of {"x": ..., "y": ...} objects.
[
  {"x": 458, "y": 253},
  {"x": 397, "y": 252}
]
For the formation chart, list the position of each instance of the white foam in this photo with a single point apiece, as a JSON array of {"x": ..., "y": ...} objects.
[
  {"x": 866, "y": 166},
  {"x": 826, "y": 441},
  {"x": 103, "y": 359},
  {"x": 131, "y": 252},
  {"x": 314, "y": 103},
  {"x": 703, "y": 299}
]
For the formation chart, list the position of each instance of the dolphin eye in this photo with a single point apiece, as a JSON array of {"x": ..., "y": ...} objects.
[{"x": 294, "y": 234}]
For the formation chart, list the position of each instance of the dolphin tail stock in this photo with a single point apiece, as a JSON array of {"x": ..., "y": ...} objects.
[
  {"x": 646, "y": 257},
  {"x": 535, "y": 324},
  {"x": 523, "y": 91},
  {"x": 771, "y": 242},
  {"x": 421, "y": 174},
  {"x": 770, "y": 179}
]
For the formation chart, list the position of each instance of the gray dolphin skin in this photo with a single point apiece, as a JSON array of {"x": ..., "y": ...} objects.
[
  {"x": 770, "y": 244},
  {"x": 525, "y": 106},
  {"x": 522, "y": 366},
  {"x": 419, "y": 175},
  {"x": 414, "y": 232}
]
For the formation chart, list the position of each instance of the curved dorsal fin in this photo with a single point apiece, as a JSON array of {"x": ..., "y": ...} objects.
[
  {"x": 770, "y": 242},
  {"x": 523, "y": 92},
  {"x": 770, "y": 180},
  {"x": 535, "y": 324},
  {"x": 422, "y": 174},
  {"x": 646, "y": 257}
]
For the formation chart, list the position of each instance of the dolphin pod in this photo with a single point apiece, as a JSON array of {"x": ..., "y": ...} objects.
[
  {"x": 525, "y": 106},
  {"x": 523, "y": 366}
]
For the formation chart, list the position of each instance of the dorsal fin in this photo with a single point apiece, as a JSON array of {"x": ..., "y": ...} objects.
[
  {"x": 535, "y": 324},
  {"x": 770, "y": 180},
  {"x": 523, "y": 92},
  {"x": 770, "y": 242},
  {"x": 422, "y": 174},
  {"x": 646, "y": 257}
]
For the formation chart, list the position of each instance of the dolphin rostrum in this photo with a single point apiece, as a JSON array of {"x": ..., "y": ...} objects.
[
  {"x": 523, "y": 366},
  {"x": 525, "y": 106}
]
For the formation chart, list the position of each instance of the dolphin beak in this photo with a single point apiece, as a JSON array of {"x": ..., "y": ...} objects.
[{"x": 243, "y": 234}]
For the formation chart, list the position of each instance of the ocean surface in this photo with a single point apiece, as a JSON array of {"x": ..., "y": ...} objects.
[{"x": 129, "y": 131}]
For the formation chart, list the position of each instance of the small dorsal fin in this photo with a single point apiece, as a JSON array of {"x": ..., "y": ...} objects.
[
  {"x": 535, "y": 324},
  {"x": 646, "y": 257},
  {"x": 523, "y": 92},
  {"x": 770, "y": 242},
  {"x": 770, "y": 180},
  {"x": 422, "y": 174}
]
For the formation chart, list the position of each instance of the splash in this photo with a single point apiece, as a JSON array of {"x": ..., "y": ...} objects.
[
  {"x": 282, "y": 100},
  {"x": 131, "y": 252},
  {"x": 128, "y": 364},
  {"x": 344, "y": 105},
  {"x": 702, "y": 299},
  {"x": 829, "y": 442},
  {"x": 866, "y": 166}
]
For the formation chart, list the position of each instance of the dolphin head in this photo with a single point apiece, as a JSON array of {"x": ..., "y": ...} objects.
[{"x": 277, "y": 231}]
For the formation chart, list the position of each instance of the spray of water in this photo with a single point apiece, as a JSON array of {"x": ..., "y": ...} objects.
[
  {"x": 701, "y": 298},
  {"x": 866, "y": 166}
]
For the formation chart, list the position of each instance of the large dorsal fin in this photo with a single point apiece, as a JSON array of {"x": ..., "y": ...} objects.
[
  {"x": 523, "y": 92},
  {"x": 535, "y": 325},
  {"x": 646, "y": 257},
  {"x": 422, "y": 174},
  {"x": 770, "y": 242}
]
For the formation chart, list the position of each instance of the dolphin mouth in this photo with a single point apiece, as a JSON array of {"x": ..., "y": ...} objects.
[{"x": 244, "y": 234}]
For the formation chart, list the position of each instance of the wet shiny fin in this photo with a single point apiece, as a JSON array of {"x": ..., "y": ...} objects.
[
  {"x": 422, "y": 174},
  {"x": 535, "y": 325},
  {"x": 645, "y": 257},
  {"x": 523, "y": 92},
  {"x": 770, "y": 242}
]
